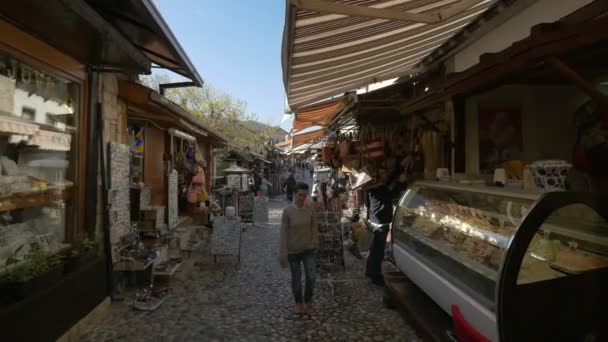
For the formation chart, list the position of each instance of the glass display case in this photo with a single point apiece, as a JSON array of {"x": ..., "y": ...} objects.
[
  {"x": 474, "y": 246},
  {"x": 38, "y": 120}
]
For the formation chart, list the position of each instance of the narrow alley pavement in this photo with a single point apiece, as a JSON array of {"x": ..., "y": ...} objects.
[{"x": 254, "y": 303}]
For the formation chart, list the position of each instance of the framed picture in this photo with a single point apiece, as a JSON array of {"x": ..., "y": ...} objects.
[{"x": 500, "y": 137}]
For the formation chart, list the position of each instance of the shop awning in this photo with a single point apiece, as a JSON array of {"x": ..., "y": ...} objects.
[
  {"x": 332, "y": 47},
  {"x": 320, "y": 114},
  {"x": 142, "y": 24},
  {"x": 147, "y": 104},
  {"x": 303, "y": 138},
  {"x": 300, "y": 149},
  {"x": 285, "y": 143},
  {"x": 74, "y": 27}
]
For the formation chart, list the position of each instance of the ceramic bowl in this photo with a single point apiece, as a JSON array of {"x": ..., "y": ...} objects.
[
  {"x": 550, "y": 175},
  {"x": 230, "y": 212}
]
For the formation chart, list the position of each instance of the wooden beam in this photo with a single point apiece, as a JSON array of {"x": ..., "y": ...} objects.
[
  {"x": 518, "y": 57},
  {"x": 456, "y": 9},
  {"x": 571, "y": 75},
  {"x": 328, "y": 7}
]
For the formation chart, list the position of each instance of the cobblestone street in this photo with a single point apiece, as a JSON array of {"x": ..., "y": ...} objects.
[{"x": 254, "y": 303}]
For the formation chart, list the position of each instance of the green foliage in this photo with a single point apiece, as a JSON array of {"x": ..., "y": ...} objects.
[
  {"x": 218, "y": 109},
  {"x": 36, "y": 263},
  {"x": 83, "y": 246}
]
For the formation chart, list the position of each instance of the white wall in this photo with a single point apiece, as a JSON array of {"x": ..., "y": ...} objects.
[
  {"x": 547, "y": 112},
  {"x": 515, "y": 29}
]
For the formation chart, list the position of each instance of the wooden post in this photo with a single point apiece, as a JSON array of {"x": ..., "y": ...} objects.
[{"x": 570, "y": 74}]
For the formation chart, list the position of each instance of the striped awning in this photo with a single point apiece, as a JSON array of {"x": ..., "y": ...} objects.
[
  {"x": 300, "y": 139},
  {"x": 300, "y": 149},
  {"x": 326, "y": 53},
  {"x": 319, "y": 114}
]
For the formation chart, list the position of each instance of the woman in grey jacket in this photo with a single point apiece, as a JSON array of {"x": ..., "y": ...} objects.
[{"x": 299, "y": 239}]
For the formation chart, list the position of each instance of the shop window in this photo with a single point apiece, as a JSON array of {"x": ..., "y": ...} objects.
[{"x": 37, "y": 159}]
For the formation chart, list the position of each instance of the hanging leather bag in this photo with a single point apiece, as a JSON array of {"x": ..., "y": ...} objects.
[
  {"x": 199, "y": 177},
  {"x": 192, "y": 194}
]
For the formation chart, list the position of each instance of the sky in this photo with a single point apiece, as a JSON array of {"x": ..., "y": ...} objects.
[{"x": 236, "y": 47}]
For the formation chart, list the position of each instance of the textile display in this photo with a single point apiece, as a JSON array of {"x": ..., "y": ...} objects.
[
  {"x": 245, "y": 207},
  {"x": 137, "y": 149},
  {"x": 373, "y": 149}
]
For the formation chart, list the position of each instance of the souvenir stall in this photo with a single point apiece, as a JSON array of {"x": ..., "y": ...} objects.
[
  {"x": 191, "y": 169},
  {"x": 167, "y": 176},
  {"x": 175, "y": 159},
  {"x": 522, "y": 220},
  {"x": 236, "y": 192}
]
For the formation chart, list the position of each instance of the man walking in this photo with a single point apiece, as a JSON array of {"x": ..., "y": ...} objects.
[
  {"x": 380, "y": 216},
  {"x": 299, "y": 239},
  {"x": 290, "y": 184}
]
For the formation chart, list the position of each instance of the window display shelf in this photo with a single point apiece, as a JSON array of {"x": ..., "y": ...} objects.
[
  {"x": 25, "y": 200},
  {"x": 448, "y": 250}
]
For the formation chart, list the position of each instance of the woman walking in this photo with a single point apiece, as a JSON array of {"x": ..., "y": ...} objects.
[{"x": 299, "y": 240}]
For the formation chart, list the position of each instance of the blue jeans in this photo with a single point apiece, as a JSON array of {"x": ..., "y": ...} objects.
[{"x": 307, "y": 258}]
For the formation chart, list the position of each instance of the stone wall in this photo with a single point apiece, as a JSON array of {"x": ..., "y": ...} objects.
[{"x": 115, "y": 130}]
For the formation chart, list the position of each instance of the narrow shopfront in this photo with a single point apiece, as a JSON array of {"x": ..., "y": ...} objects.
[
  {"x": 169, "y": 147},
  {"x": 505, "y": 163},
  {"x": 44, "y": 140},
  {"x": 59, "y": 106},
  {"x": 537, "y": 127}
]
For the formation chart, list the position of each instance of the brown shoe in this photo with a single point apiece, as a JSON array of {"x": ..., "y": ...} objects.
[
  {"x": 308, "y": 307},
  {"x": 299, "y": 309}
]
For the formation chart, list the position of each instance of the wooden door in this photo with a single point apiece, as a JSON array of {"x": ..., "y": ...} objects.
[{"x": 154, "y": 166}]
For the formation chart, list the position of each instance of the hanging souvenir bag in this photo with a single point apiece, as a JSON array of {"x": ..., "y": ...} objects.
[
  {"x": 192, "y": 195},
  {"x": 202, "y": 195},
  {"x": 199, "y": 177},
  {"x": 326, "y": 154},
  {"x": 373, "y": 149},
  {"x": 344, "y": 148},
  {"x": 190, "y": 154}
]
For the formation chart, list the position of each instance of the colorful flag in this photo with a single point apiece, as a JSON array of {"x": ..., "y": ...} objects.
[{"x": 137, "y": 150}]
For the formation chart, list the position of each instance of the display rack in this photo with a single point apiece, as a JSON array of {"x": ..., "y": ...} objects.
[
  {"x": 119, "y": 211},
  {"x": 226, "y": 237},
  {"x": 260, "y": 210},
  {"x": 246, "y": 205},
  {"x": 331, "y": 252}
]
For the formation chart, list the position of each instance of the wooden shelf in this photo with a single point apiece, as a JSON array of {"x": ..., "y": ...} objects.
[{"x": 32, "y": 199}]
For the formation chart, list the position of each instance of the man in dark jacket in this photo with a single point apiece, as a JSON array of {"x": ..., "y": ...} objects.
[
  {"x": 380, "y": 197},
  {"x": 290, "y": 184}
]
